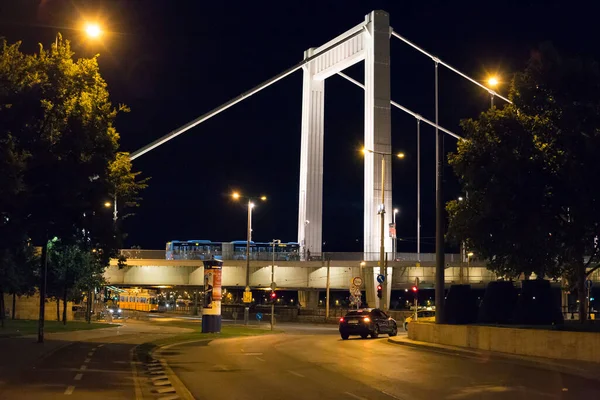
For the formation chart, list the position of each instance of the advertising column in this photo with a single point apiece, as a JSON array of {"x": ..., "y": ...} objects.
[{"x": 211, "y": 304}]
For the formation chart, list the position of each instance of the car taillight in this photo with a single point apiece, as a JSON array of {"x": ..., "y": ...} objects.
[
  {"x": 342, "y": 319},
  {"x": 366, "y": 319}
]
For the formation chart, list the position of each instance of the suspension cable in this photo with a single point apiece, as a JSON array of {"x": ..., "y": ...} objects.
[
  {"x": 451, "y": 68},
  {"x": 406, "y": 110}
]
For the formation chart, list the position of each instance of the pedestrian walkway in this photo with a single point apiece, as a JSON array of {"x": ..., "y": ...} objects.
[{"x": 25, "y": 352}]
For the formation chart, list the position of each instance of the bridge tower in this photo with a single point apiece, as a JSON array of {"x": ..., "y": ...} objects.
[{"x": 368, "y": 42}]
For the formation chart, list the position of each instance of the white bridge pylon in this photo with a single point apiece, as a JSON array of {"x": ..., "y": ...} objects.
[{"x": 368, "y": 42}]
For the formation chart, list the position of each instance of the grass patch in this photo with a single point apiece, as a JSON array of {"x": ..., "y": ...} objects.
[{"x": 20, "y": 327}]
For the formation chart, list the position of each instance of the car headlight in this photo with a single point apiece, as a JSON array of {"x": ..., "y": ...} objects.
[
  {"x": 119, "y": 310},
  {"x": 111, "y": 311}
]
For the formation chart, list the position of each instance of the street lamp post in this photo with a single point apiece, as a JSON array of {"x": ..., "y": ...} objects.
[
  {"x": 381, "y": 212},
  {"x": 394, "y": 238},
  {"x": 273, "y": 285},
  {"x": 492, "y": 82},
  {"x": 247, "y": 293}
]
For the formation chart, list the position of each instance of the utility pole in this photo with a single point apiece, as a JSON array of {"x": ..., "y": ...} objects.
[
  {"x": 327, "y": 291},
  {"x": 382, "y": 242},
  {"x": 43, "y": 292}
]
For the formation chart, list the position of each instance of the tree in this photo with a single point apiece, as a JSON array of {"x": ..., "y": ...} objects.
[
  {"x": 58, "y": 143},
  {"x": 529, "y": 170},
  {"x": 17, "y": 273},
  {"x": 73, "y": 270}
]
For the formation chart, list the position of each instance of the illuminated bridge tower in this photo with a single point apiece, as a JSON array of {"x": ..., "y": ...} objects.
[{"x": 368, "y": 41}]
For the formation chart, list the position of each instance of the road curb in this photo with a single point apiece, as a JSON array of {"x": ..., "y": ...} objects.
[
  {"x": 445, "y": 349},
  {"x": 180, "y": 388}
]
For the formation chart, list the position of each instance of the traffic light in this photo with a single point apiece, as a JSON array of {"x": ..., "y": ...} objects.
[
  {"x": 379, "y": 293},
  {"x": 273, "y": 297},
  {"x": 415, "y": 289}
]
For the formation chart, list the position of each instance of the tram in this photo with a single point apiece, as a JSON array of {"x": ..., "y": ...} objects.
[{"x": 139, "y": 300}]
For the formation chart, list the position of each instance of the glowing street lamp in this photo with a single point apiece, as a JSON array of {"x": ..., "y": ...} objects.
[
  {"x": 92, "y": 30},
  {"x": 493, "y": 82},
  {"x": 107, "y": 204}
]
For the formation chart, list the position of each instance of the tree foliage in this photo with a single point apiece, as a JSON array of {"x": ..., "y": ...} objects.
[
  {"x": 72, "y": 270},
  {"x": 530, "y": 169},
  {"x": 59, "y": 152}
]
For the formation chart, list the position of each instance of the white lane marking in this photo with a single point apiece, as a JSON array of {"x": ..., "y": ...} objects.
[
  {"x": 296, "y": 373},
  {"x": 78, "y": 377},
  {"x": 70, "y": 390},
  {"x": 100, "y": 345},
  {"x": 260, "y": 359},
  {"x": 253, "y": 354},
  {"x": 355, "y": 396},
  {"x": 87, "y": 360},
  {"x": 83, "y": 368},
  {"x": 91, "y": 353}
]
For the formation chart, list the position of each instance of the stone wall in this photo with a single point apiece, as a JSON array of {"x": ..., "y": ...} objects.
[
  {"x": 582, "y": 346},
  {"x": 28, "y": 307}
]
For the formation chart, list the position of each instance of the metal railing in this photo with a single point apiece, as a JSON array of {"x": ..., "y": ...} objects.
[{"x": 286, "y": 256}]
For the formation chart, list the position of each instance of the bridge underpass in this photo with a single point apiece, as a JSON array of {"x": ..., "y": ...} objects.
[{"x": 307, "y": 277}]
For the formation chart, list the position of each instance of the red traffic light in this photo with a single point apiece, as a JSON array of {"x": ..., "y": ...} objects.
[
  {"x": 415, "y": 289},
  {"x": 379, "y": 287},
  {"x": 273, "y": 295}
]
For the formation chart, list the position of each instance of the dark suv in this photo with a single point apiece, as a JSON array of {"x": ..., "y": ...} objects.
[{"x": 365, "y": 322}]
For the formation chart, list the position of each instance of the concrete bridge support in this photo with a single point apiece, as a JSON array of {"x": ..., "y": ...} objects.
[{"x": 308, "y": 298}]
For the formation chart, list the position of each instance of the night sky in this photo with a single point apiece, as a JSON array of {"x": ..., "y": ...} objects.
[{"x": 171, "y": 61}]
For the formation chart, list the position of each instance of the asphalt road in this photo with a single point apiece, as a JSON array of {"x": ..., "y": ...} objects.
[
  {"x": 316, "y": 364},
  {"x": 82, "y": 365}
]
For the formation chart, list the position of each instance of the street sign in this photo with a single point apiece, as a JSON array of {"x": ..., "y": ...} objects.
[
  {"x": 588, "y": 284},
  {"x": 380, "y": 278},
  {"x": 258, "y": 316},
  {"x": 247, "y": 297},
  {"x": 273, "y": 286},
  {"x": 355, "y": 290},
  {"x": 392, "y": 230},
  {"x": 357, "y": 281}
]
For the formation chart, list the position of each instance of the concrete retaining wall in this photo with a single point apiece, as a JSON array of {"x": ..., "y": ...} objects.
[
  {"x": 28, "y": 307},
  {"x": 582, "y": 346}
]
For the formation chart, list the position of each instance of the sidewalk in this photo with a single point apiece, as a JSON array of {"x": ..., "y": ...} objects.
[
  {"x": 22, "y": 352},
  {"x": 580, "y": 368}
]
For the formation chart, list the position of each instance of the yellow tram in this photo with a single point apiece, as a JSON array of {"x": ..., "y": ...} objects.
[{"x": 138, "y": 300}]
